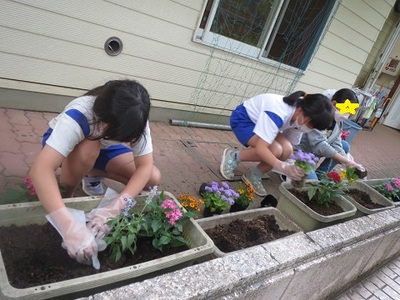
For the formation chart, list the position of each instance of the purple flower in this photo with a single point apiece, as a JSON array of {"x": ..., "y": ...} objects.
[{"x": 225, "y": 185}]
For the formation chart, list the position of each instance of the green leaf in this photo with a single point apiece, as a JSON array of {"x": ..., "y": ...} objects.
[
  {"x": 124, "y": 242},
  {"x": 156, "y": 225}
]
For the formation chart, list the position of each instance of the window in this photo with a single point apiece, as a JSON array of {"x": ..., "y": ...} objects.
[{"x": 284, "y": 31}]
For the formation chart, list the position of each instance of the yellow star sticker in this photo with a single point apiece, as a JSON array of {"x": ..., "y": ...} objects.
[{"x": 347, "y": 106}]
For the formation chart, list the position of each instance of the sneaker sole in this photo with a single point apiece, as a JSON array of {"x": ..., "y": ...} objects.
[
  {"x": 221, "y": 167},
  {"x": 87, "y": 192},
  {"x": 259, "y": 194}
]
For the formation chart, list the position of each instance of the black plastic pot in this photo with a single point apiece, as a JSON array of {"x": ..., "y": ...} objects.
[
  {"x": 237, "y": 207},
  {"x": 269, "y": 201},
  {"x": 207, "y": 212}
]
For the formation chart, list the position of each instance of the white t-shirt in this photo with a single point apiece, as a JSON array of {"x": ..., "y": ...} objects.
[
  {"x": 271, "y": 115},
  {"x": 75, "y": 123}
]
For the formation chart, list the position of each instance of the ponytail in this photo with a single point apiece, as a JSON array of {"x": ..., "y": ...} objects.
[
  {"x": 294, "y": 98},
  {"x": 316, "y": 106}
]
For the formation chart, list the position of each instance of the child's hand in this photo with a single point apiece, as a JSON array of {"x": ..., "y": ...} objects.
[
  {"x": 290, "y": 170},
  {"x": 98, "y": 217},
  {"x": 77, "y": 239}
]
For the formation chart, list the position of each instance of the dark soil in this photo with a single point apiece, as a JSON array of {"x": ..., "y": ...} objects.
[
  {"x": 33, "y": 256},
  {"x": 240, "y": 234},
  {"x": 332, "y": 209},
  {"x": 364, "y": 199}
]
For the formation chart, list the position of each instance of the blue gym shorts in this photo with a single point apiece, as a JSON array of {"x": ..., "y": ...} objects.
[
  {"x": 105, "y": 155},
  {"x": 241, "y": 125}
]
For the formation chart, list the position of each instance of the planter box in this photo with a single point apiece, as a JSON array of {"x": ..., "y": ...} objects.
[
  {"x": 210, "y": 222},
  {"x": 33, "y": 213},
  {"x": 307, "y": 218},
  {"x": 373, "y": 182},
  {"x": 376, "y": 197}
]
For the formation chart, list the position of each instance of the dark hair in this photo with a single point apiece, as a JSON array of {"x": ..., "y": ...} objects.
[
  {"x": 343, "y": 94},
  {"x": 316, "y": 106},
  {"x": 124, "y": 107}
]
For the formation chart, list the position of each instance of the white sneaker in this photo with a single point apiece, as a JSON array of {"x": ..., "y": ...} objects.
[
  {"x": 93, "y": 186},
  {"x": 228, "y": 164}
]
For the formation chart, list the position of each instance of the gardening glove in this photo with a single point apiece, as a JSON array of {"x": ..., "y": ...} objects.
[
  {"x": 77, "y": 239},
  {"x": 109, "y": 207},
  {"x": 290, "y": 170}
]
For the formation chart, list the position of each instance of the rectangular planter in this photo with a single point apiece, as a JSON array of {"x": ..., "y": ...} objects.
[
  {"x": 373, "y": 182},
  {"x": 307, "y": 218},
  {"x": 210, "y": 222},
  {"x": 376, "y": 197},
  {"x": 33, "y": 213}
]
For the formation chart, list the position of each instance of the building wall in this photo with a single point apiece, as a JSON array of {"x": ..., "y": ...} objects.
[
  {"x": 345, "y": 51},
  {"x": 56, "y": 48}
]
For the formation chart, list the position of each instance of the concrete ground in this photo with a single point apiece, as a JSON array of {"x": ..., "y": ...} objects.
[{"x": 189, "y": 156}]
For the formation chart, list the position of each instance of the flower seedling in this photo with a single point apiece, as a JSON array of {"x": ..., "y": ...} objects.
[
  {"x": 389, "y": 188},
  {"x": 160, "y": 219},
  {"x": 327, "y": 189},
  {"x": 306, "y": 161},
  {"x": 190, "y": 203},
  {"x": 219, "y": 197},
  {"x": 246, "y": 194},
  {"x": 25, "y": 192}
]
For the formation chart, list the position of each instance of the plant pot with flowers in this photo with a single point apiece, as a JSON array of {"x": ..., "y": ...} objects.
[
  {"x": 154, "y": 236},
  {"x": 246, "y": 195},
  {"x": 319, "y": 203},
  {"x": 365, "y": 198},
  {"x": 191, "y": 203},
  {"x": 24, "y": 192},
  {"x": 388, "y": 187},
  {"x": 217, "y": 198}
]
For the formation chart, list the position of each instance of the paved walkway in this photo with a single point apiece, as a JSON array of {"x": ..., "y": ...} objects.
[
  {"x": 383, "y": 284},
  {"x": 189, "y": 156}
]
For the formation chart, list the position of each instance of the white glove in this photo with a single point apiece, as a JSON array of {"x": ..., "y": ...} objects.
[
  {"x": 77, "y": 239},
  {"x": 290, "y": 170},
  {"x": 109, "y": 207}
]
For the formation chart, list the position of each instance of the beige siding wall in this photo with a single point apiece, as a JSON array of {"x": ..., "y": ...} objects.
[{"x": 56, "y": 47}]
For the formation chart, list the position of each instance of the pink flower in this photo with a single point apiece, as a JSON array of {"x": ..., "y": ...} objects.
[
  {"x": 29, "y": 186},
  {"x": 397, "y": 182},
  {"x": 389, "y": 187},
  {"x": 174, "y": 212},
  {"x": 168, "y": 203}
]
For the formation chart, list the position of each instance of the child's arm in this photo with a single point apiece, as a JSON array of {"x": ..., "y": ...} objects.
[{"x": 77, "y": 239}]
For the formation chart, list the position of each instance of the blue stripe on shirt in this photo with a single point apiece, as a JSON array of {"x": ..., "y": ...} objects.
[
  {"x": 81, "y": 119},
  {"x": 275, "y": 118}
]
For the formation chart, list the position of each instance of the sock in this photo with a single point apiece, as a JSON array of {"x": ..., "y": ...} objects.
[
  {"x": 256, "y": 171},
  {"x": 235, "y": 155}
]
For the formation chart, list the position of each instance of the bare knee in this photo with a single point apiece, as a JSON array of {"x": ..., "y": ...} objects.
[
  {"x": 78, "y": 163},
  {"x": 286, "y": 148}
]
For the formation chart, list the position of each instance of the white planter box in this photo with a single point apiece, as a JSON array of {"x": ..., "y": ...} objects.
[
  {"x": 33, "y": 213},
  {"x": 373, "y": 182},
  {"x": 307, "y": 218},
  {"x": 246, "y": 215},
  {"x": 376, "y": 197}
]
